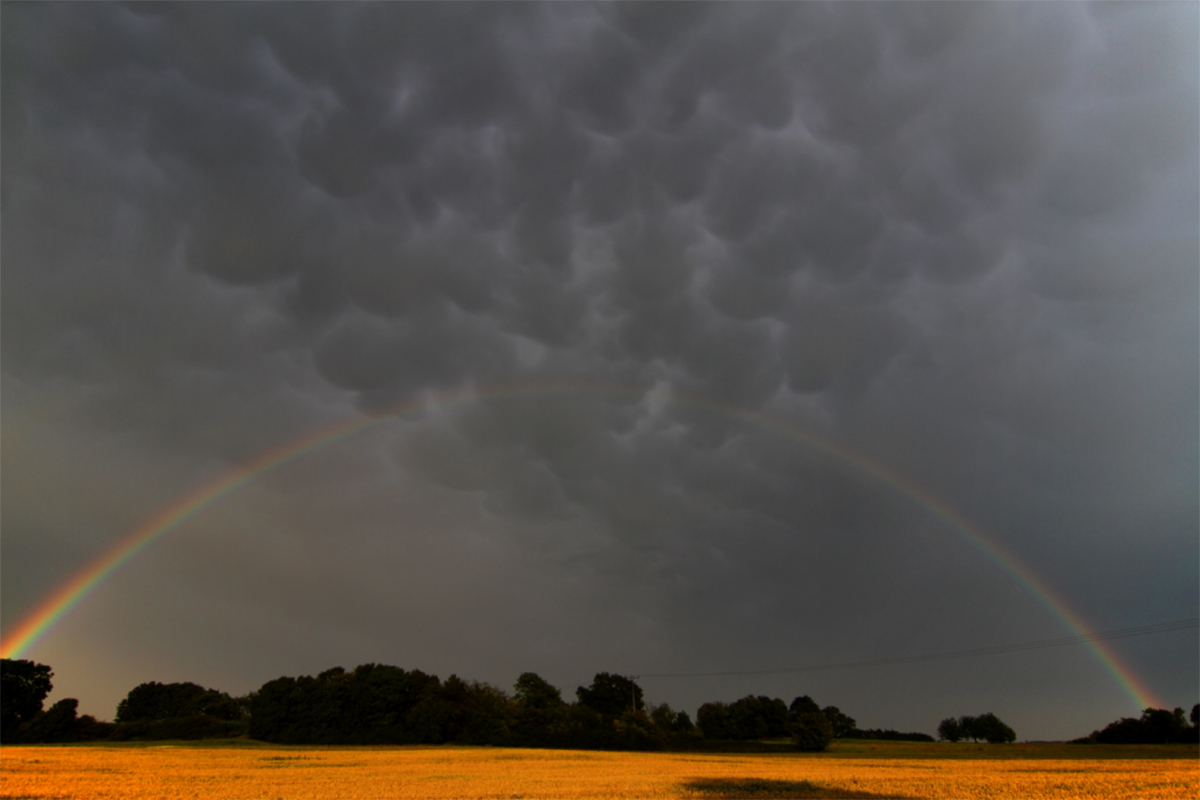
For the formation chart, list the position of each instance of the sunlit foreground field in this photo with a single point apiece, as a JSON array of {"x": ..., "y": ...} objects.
[{"x": 865, "y": 770}]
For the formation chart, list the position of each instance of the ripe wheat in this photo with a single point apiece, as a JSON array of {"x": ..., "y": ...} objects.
[{"x": 252, "y": 771}]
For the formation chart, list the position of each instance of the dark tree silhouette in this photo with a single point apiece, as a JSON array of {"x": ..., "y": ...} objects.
[
  {"x": 949, "y": 730},
  {"x": 967, "y": 724},
  {"x": 746, "y": 720},
  {"x": 23, "y": 688},
  {"x": 713, "y": 721},
  {"x": 538, "y": 711},
  {"x": 379, "y": 704},
  {"x": 635, "y": 730},
  {"x": 671, "y": 721},
  {"x": 811, "y": 732},
  {"x": 758, "y": 717},
  {"x": 533, "y": 691},
  {"x": 991, "y": 729},
  {"x": 611, "y": 695},
  {"x": 987, "y": 727},
  {"x": 840, "y": 723},
  {"x": 157, "y": 701},
  {"x": 1155, "y": 726},
  {"x": 373, "y": 704},
  {"x": 58, "y": 724}
]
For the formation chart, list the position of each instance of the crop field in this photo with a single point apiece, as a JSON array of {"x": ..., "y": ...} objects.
[{"x": 864, "y": 770}]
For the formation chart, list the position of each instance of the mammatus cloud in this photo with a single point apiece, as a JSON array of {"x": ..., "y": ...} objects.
[{"x": 959, "y": 240}]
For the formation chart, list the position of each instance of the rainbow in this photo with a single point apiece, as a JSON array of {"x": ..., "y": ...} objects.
[{"x": 58, "y": 604}]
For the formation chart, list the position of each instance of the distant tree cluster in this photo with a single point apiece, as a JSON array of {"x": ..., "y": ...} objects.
[
  {"x": 810, "y": 727},
  {"x": 749, "y": 718},
  {"x": 157, "y": 701},
  {"x": 987, "y": 727},
  {"x": 179, "y": 711},
  {"x": 377, "y": 704},
  {"x": 1155, "y": 726}
]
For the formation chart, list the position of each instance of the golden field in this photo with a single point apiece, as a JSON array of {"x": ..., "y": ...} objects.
[{"x": 865, "y": 770}]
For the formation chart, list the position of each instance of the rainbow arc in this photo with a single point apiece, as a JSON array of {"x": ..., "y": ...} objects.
[{"x": 71, "y": 593}]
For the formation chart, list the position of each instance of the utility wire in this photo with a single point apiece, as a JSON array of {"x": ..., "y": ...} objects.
[{"x": 1123, "y": 633}]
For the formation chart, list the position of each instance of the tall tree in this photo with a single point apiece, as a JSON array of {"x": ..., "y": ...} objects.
[
  {"x": 811, "y": 732},
  {"x": 996, "y": 731},
  {"x": 967, "y": 726},
  {"x": 949, "y": 730},
  {"x": 611, "y": 695},
  {"x": 535, "y": 692},
  {"x": 23, "y": 687},
  {"x": 987, "y": 727}
]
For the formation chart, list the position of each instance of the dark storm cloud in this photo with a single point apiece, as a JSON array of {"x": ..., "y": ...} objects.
[{"x": 957, "y": 238}]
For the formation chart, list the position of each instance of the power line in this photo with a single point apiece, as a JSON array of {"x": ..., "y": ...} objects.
[{"x": 1122, "y": 633}]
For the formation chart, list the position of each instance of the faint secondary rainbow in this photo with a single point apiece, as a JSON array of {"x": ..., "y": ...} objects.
[{"x": 57, "y": 605}]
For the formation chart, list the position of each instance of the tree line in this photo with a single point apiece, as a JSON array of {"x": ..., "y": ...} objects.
[
  {"x": 380, "y": 704},
  {"x": 1155, "y": 726},
  {"x": 986, "y": 726}
]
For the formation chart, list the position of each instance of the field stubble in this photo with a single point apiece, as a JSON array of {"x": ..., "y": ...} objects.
[{"x": 254, "y": 770}]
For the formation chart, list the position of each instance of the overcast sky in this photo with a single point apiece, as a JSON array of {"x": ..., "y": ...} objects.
[{"x": 957, "y": 240}]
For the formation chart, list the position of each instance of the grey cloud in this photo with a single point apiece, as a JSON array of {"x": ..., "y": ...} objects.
[
  {"x": 1091, "y": 184},
  {"x": 741, "y": 294},
  {"x": 364, "y": 353},
  {"x": 754, "y": 179},
  {"x": 1096, "y": 269},
  {"x": 827, "y": 340}
]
